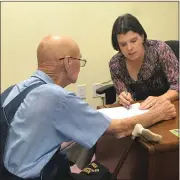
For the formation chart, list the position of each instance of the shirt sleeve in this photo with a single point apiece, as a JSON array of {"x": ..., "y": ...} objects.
[
  {"x": 170, "y": 65},
  {"x": 116, "y": 77},
  {"x": 78, "y": 122}
]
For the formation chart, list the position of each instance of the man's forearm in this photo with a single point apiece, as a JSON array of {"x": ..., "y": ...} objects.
[{"x": 125, "y": 126}]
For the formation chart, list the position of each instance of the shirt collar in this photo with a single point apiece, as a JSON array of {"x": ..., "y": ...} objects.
[{"x": 43, "y": 76}]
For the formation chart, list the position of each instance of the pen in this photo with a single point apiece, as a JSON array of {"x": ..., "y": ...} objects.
[{"x": 126, "y": 92}]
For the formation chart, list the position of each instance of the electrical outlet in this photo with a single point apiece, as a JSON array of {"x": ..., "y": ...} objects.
[
  {"x": 82, "y": 91},
  {"x": 97, "y": 86}
]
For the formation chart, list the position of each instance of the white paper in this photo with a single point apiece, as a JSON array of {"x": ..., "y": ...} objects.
[{"x": 122, "y": 112}]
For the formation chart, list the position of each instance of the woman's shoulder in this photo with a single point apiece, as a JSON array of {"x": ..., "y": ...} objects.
[
  {"x": 116, "y": 58},
  {"x": 155, "y": 44}
]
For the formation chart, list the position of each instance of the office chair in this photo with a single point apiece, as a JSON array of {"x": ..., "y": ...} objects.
[{"x": 109, "y": 90}]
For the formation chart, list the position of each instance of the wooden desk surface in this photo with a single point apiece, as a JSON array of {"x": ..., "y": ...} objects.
[
  {"x": 146, "y": 160},
  {"x": 169, "y": 140}
]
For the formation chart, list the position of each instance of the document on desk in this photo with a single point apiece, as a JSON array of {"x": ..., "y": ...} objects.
[{"x": 122, "y": 112}]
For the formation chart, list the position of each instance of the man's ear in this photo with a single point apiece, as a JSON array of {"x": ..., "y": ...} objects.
[{"x": 67, "y": 63}]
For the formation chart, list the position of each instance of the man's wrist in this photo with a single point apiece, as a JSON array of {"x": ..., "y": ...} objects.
[{"x": 156, "y": 116}]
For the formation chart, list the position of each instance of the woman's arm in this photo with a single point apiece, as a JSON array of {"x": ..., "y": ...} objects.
[
  {"x": 170, "y": 95},
  {"x": 170, "y": 66},
  {"x": 115, "y": 72}
]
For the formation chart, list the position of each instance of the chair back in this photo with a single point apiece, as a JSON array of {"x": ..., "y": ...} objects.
[{"x": 174, "y": 45}]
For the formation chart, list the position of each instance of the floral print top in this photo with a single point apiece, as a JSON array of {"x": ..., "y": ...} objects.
[{"x": 158, "y": 73}]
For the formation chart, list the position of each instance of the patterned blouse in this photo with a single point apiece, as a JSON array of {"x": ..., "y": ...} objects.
[{"x": 158, "y": 73}]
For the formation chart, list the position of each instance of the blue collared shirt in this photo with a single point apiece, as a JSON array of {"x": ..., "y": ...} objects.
[{"x": 49, "y": 116}]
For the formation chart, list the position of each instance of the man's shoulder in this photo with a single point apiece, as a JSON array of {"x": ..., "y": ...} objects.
[{"x": 52, "y": 89}]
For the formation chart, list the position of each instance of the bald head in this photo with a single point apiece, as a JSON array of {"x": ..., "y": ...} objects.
[{"x": 51, "y": 48}]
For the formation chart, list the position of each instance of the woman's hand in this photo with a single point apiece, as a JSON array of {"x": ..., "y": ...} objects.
[
  {"x": 125, "y": 99},
  {"x": 151, "y": 101}
]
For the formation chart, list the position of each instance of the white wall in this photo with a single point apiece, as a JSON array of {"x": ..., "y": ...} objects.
[{"x": 24, "y": 24}]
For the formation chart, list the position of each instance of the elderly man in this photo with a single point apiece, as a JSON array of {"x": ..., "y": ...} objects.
[{"x": 50, "y": 115}]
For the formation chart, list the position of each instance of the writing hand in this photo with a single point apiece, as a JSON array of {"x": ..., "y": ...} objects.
[{"x": 125, "y": 99}]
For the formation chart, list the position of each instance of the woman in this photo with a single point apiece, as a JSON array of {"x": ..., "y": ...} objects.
[{"x": 142, "y": 69}]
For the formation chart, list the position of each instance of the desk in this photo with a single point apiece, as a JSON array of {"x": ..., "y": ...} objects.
[{"x": 145, "y": 161}]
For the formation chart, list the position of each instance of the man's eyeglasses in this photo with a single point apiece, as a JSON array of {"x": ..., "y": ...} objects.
[{"x": 82, "y": 61}]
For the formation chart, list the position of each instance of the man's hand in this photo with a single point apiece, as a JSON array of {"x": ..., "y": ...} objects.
[
  {"x": 125, "y": 99},
  {"x": 150, "y": 102},
  {"x": 164, "y": 109}
]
